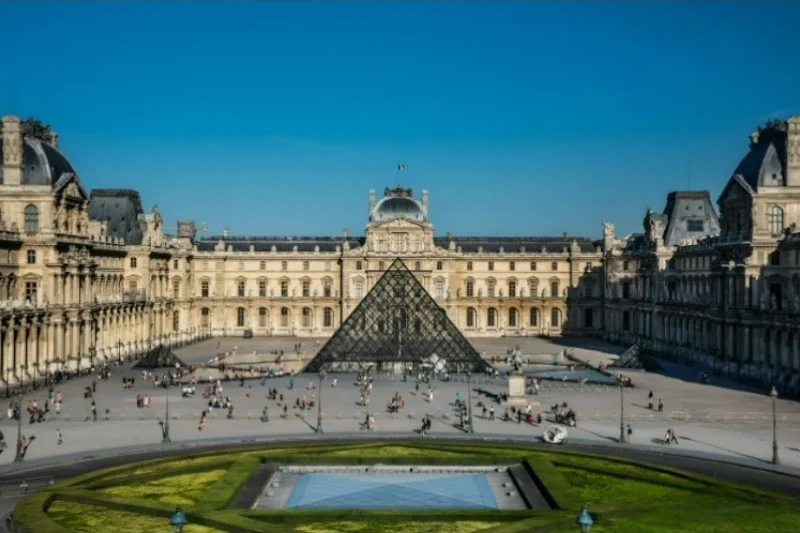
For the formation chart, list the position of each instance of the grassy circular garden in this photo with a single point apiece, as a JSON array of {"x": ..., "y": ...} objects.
[{"x": 622, "y": 496}]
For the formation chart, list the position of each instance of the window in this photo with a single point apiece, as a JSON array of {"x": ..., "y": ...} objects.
[
  {"x": 694, "y": 226},
  {"x": 555, "y": 317},
  {"x": 491, "y": 317},
  {"x": 31, "y": 257},
  {"x": 204, "y": 286},
  {"x": 439, "y": 265},
  {"x": 512, "y": 289},
  {"x": 205, "y": 265},
  {"x": 358, "y": 287},
  {"x": 399, "y": 243},
  {"x": 490, "y": 288},
  {"x": 775, "y": 221},
  {"x": 358, "y": 265},
  {"x": 512, "y": 318},
  {"x": 133, "y": 262},
  {"x": 284, "y": 265},
  {"x": 624, "y": 265},
  {"x": 176, "y": 320},
  {"x": 533, "y": 265},
  {"x": 626, "y": 321},
  {"x": 240, "y": 317},
  {"x": 554, "y": 265},
  {"x": 30, "y": 291},
  {"x": 240, "y": 286},
  {"x": 383, "y": 246},
  {"x": 439, "y": 288},
  {"x": 175, "y": 264},
  {"x": 205, "y": 315},
  {"x": 534, "y": 318},
  {"x": 554, "y": 289},
  {"x": 327, "y": 318},
  {"x": 240, "y": 265},
  {"x": 306, "y": 288},
  {"x": 469, "y": 265},
  {"x": 262, "y": 289},
  {"x": 419, "y": 245},
  {"x": 470, "y": 317},
  {"x": 284, "y": 288},
  {"x": 326, "y": 288},
  {"x": 533, "y": 287},
  {"x": 380, "y": 265},
  {"x": 176, "y": 288},
  {"x": 133, "y": 284},
  {"x": 262, "y": 317},
  {"x": 588, "y": 317},
  {"x": 284, "y": 317},
  {"x": 491, "y": 265},
  {"x": 775, "y": 258},
  {"x": 417, "y": 265},
  {"x": 31, "y": 219},
  {"x": 512, "y": 266},
  {"x": 327, "y": 266},
  {"x": 626, "y": 290},
  {"x": 306, "y": 317},
  {"x": 262, "y": 265},
  {"x": 306, "y": 265},
  {"x": 470, "y": 288}
]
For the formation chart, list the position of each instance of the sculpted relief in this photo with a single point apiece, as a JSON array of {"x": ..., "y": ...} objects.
[{"x": 12, "y": 150}]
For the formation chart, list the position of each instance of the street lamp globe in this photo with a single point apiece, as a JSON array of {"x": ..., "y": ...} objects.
[
  {"x": 585, "y": 520},
  {"x": 178, "y": 520}
]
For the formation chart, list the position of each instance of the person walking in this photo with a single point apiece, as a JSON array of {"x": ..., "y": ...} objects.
[{"x": 60, "y": 437}]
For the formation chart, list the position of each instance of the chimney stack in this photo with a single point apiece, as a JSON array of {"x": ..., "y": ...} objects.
[
  {"x": 425, "y": 200},
  {"x": 225, "y": 233},
  {"x": 793, "y": 152},
  {"x": 371, "y": 201},
  {"x": 12, "y": 151}
]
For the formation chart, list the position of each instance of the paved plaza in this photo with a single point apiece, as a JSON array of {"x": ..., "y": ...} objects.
[{"x": 722, "y": 418}]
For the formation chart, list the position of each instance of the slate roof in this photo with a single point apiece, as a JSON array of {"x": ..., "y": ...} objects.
[
  {"x": 121, "y": 209},
  {"x": 329, "y": 244},
  {"x": 42, "y": 164},
  {"x": 767, "y": 156}
]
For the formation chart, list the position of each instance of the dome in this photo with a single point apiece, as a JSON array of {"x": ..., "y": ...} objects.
[
  {"x": 42, "y": 164},
  {"x": 397, "y": 207}
]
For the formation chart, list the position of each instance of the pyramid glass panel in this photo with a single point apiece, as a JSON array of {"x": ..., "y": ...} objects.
[
  {"x": 397, "y": 323},
  {"x": 159, "y": 357}
]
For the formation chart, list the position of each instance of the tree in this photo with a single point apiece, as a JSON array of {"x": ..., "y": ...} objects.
[{"x": 36, "y": 129}]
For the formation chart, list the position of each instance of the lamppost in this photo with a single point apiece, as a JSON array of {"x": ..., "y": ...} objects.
[
  {"x": 469, "y": 401},
  {"x": 585, "y": 520},
  {"x": 165, "y": 425},
  {"x": 774, "y": 395},
  {"x": 621, "y": 412},
  {"x": 319, "y": 405},
  {"x": 20, "y": 455},
  {"x": 178, "y": 520}
]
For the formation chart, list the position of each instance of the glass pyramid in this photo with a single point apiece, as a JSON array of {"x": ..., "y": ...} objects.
[{"x": 397, "y": 322}]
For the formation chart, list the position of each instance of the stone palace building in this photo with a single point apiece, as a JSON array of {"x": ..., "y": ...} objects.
[{"x": 87, "y": 277}]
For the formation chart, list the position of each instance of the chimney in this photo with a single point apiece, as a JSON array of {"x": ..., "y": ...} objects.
[
  {"x": 371, "y": 201},
  {"x": 425, "y": 200},
  {"x": 12, "y": 151},
  {"x": 793, "y": 152},
  {"x": 226, "y": 233}
]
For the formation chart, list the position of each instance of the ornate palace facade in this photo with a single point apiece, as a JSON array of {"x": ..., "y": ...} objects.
[
  {"x": 86, "y": 276},
  {"x": 723, "y": 292}
]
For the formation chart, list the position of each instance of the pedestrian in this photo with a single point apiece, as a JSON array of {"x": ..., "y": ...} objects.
[
  {"x": 60, "y": 437},
  {"x": 629, "y": 433},
  {"x": 660, "y": 405}
]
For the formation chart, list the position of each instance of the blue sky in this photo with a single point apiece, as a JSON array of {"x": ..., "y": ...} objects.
[{"x": 520, "y": 118}]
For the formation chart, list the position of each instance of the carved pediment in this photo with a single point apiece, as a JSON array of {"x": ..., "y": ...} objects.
[{"x": 397, "y": 224}]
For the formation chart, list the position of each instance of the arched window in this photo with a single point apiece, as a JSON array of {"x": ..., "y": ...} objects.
[
  {"x": 31, "y": 219},
  {"x": 775, "y": 221},
  {"x": 327, "y": 317},
  {"x": 262, "y": 317},
  {"x": 284, "y": 317},
  {"x": 512, "y": 318},
  {"x": 534, "y": 318},
  {"x": 471, "y": 316},
  {"x": 555, "y": 317},
  {"x": 306, "y": 317},
  {"x": 491, "y": 317},
  {"x": 240, "y": 316},
  {"x": 205, "y": 314}
]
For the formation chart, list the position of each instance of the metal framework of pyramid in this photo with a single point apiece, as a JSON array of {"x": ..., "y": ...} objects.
[
  {"x": 159, "y": 357},
  {"x": 397, "y": 322}
]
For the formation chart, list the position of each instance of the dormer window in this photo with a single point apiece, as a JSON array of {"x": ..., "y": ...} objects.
[{"x": 695, "y": 226}]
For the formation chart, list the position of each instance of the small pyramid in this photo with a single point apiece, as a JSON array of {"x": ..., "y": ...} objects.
[
  {"x": 159, "y": 357},
  {"x": 397, "y": 322}
]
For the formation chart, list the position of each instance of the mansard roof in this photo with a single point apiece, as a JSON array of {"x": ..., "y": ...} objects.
[
  {"x": 766, "y": 161},
  {"x": 122, "y": 210},
  {"x": 516, "y": 244},
  {"x": 281, "y": 244}
]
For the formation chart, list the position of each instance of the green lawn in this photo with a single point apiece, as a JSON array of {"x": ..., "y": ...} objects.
[{"x": 623, "y": 497}]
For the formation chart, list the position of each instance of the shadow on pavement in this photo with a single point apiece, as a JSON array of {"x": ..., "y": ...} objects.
[{"x": 753, "y": 457}]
